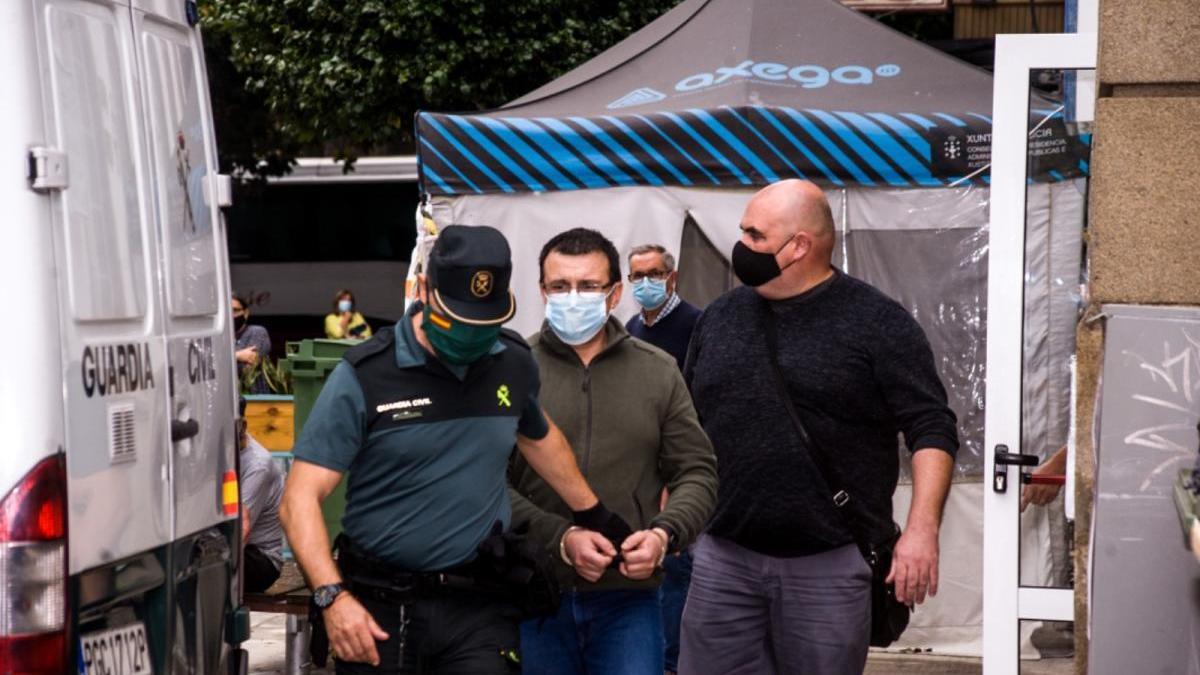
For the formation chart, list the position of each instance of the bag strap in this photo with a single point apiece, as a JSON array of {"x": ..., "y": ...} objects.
[{"x": 833, "y": 482}]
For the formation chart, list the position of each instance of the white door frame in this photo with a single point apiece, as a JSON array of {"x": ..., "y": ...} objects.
[{"x": 1005, "y": 602}]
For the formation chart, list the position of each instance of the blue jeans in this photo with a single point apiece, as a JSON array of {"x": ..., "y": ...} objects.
[
  {"x": 596, "y": 633},
  {"x": 672, "y": 594}
]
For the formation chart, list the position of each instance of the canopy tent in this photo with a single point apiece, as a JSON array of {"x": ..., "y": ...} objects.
[
  {"x": 665, "y": 137},
  {"x": 735, "y": 93}
]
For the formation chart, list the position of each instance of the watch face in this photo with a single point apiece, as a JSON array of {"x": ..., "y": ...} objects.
[{"x": 325, "y": 595}]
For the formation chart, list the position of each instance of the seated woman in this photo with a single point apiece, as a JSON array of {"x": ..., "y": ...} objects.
[{"x": 344, "y": 322}]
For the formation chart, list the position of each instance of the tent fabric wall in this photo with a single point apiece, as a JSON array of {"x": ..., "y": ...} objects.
[
  {"x": 927, "y": 249},
  {"x": 704, "y": 273}
]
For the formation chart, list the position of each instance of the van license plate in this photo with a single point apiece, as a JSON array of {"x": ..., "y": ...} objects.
[{"x": 118, "y": 651}]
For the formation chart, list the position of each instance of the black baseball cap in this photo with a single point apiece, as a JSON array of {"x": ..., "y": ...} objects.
[{"x": 468, "y": 273}]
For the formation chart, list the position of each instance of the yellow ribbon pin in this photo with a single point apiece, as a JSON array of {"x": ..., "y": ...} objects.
[{"x": 502, "y": 396}]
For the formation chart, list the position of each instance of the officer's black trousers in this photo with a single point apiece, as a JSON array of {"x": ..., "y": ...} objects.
[{"x": 450, "y": 635}]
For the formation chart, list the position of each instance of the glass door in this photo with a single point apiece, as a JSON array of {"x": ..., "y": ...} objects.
[{"x": 1038, "y": 198}]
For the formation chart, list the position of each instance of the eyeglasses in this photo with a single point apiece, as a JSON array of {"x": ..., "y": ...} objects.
[
  {"x": 563, "y": 287},
  {"x": 657, "y": 275}
]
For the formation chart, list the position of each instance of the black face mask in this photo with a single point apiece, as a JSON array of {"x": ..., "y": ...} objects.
[
  {"x": 239, "y": 322},
  {"x": 753, "y": 268}
]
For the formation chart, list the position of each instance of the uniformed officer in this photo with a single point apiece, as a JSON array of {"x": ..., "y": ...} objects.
[{"x": 424, "y": 417}]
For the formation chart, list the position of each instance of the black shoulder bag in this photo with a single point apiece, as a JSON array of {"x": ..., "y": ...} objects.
[{"x": 889, "y": 616}]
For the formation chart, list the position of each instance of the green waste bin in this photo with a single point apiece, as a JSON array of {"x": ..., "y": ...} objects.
[{"x": 311, "y": 361}]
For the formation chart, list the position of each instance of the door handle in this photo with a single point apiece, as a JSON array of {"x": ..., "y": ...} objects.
[
  {"x": 181, "y": 430},
  {"x": 1052, "y": 479},
  {"x": 1004, "y": 459}
]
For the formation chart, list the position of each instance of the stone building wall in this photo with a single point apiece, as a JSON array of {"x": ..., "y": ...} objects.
[{"x": 1144, "y": 211}]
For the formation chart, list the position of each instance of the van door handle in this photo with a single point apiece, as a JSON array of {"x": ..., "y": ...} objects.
[
  {"x": 181, "y": 430},
  {"x": 222, "y": 185}
]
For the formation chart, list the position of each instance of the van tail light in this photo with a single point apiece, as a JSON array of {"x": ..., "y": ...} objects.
[
  {"x": 229, "y": 493},
  {"x": 33, "y": 572}
]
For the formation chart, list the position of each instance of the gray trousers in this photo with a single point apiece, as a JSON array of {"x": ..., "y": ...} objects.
[{"x": 752, "y": 613}]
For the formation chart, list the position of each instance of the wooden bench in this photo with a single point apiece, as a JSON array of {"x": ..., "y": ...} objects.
[{"x": 288, "y": 595}]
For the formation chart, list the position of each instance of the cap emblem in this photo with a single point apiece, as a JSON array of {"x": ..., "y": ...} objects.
[{"x": 481, "y": 284}]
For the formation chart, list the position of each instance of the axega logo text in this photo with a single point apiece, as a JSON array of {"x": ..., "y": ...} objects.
[{"x": 808, "y": 76}]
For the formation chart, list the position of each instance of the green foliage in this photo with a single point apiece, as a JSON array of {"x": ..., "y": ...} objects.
[
  {"x": 347, "y": 77},
  {"x": 276, "y": 374}
]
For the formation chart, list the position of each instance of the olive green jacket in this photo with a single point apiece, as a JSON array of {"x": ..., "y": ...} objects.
[{"x": 630, "y": 421}]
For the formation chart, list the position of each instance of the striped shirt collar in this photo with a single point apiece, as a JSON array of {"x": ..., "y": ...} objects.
[{"x": 671, "y": 304}]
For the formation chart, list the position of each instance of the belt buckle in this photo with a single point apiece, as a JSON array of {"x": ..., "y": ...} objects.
[{"x": 426, "y": 584}]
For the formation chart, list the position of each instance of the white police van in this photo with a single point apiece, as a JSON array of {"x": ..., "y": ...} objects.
[{"x": 119, "y": 538}]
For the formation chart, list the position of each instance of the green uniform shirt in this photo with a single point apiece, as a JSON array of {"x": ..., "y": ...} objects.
[{"x": 426, "y": 445}]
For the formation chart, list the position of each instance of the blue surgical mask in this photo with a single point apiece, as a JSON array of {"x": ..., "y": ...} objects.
[
  {"x": 576, "y": 317},
  {"x": 345, "y": 305},
  {"x": 650, "y": 293}
]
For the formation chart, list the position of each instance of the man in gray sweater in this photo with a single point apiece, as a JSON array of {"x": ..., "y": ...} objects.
[
  {"x": 623, "y": 406},
  {"x": 261, "y": 483}
]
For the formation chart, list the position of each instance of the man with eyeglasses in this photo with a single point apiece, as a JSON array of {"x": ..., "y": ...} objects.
[
  {"x": 666, "y": 320},
  {"x": 623, "y": 406}
]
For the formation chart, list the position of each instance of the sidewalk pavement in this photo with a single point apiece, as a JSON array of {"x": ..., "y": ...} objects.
[{"x": 266, "y": 647}]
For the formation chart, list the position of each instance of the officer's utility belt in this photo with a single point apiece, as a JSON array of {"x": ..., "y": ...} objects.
[
  {"x": 367, "y": 576},
  {"x": 507, "y": 568}
]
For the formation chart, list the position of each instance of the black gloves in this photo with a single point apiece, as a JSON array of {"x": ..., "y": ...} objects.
[{"x": 600, "y": 519}]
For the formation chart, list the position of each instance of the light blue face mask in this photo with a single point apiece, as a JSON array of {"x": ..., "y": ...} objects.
[
  {"x": 576, "y": 317},
  {"x": 650, "y": 293},
  {"x": 345, "y": 305}
]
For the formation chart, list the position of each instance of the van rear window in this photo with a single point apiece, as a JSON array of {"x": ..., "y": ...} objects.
[{"x": 101, "y": 211}]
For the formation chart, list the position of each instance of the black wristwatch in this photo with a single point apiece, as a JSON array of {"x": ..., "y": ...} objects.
[{"x": 324, "y": 596}]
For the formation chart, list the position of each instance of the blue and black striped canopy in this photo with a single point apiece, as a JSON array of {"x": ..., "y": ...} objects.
[{"x": 731, "y": 93}]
